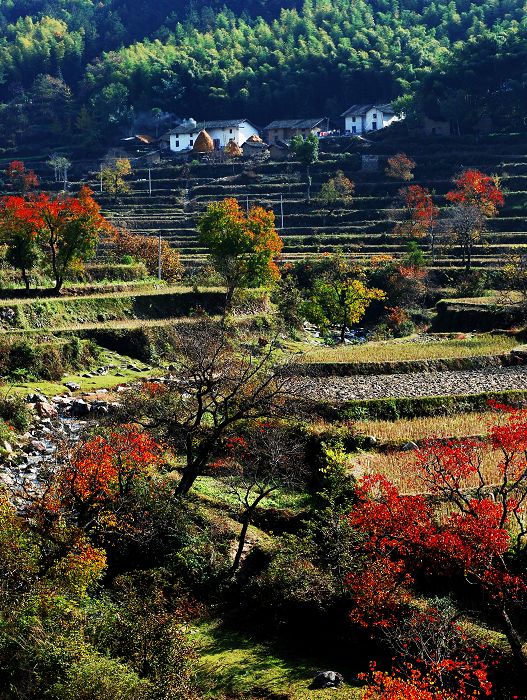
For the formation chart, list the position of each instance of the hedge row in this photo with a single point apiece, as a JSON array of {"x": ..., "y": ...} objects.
[{"x": 423, "y": 407}]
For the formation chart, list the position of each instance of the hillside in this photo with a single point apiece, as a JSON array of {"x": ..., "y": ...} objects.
[{"x": 72, "y": 77}]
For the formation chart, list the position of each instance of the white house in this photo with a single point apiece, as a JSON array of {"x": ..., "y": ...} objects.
[
  {"x": 182, "y": 138},
  {"x": 362, "y": 118}
]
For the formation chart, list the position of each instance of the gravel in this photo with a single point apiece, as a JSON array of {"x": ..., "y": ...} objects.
[{"x": 446, "y": 383}]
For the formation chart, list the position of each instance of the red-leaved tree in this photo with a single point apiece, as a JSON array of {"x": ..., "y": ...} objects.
[
  {"x": 475, "y": 533},
  {"x": 420, "y": 215},
  {"x": 474, "y": 188},
  {"x": 21, "y": 179}
]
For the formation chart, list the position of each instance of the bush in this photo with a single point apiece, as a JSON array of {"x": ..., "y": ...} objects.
[
  {"x": 473, "y": 283},
  {"x": 114, "y": 272},
  {"x": 146, "y": 249},
  {"x": 14, "y": 411},
  {"x": 100, "y": 678}
]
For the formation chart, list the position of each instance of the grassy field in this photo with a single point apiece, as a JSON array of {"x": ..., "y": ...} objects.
[
  {"x": 400, "y": 468},
  {"x": 230, "y": 663},
  {"x": 214, "y": 489},
  {"x": 434, "y": 348},
  {"x": 119, "y": 375},
  {"x": 458, "y": 425}
]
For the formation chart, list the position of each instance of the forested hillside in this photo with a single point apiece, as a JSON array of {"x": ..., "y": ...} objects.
[{"x": 78, "y": 70}]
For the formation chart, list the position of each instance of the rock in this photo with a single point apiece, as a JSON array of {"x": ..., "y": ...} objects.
[
  {"x": 46, "y": 410},
  {"x": 36, "y": 398},
  {"x": 327, "y": 679},
  {"x": 80, "y": 408},
  {"x": 72, "y": 386},
  {"x": 370, "y": 441},
  {"x": 38, "y": 446},
  {"x": 121, "y": 388},
  {"x": 408, "y": 446}
]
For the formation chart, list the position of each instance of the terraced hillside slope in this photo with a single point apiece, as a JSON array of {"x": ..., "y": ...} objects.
[{"x": 363, "y": 228}]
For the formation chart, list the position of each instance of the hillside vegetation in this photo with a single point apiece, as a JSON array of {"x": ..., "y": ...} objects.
[{"x": 74, "y": 75}]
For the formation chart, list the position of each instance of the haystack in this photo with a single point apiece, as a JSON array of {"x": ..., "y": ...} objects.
[
  {"x": 233, "y": 150},
  {"x": 254, "y": 139},
  {"x": 203, "y": 143}
]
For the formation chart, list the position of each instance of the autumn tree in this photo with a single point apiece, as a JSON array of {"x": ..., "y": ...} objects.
[
  {"x": 21, "y": 179},
  {"x": 420, "y": 215},
  {"x": 67, "y": 228},
  {"x": 222, "y": 382},
  {"x": 254, "y": 465},
  {"x": 306, "y": 150},
  {"x": 340, "y": 296},
  {"x": 475, "y": 198},
  {"x": 475, "y": 189},
  {"x": 101, "y": 472},
  {"x": 338, "y": 189},
  {"x": 151, "y": 251},
  {"x": 114, "y": 174},
  {"x": 17, "y": 233},
  {"x": 243, "y": 246},
  {"x": 480, "y": 540},
  {"x": 400, "y": 167}
]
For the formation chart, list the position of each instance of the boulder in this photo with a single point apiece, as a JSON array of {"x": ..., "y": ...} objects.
[
  {"x": 46, "y": 410},
  {"x": 80, "y": 408},
  {"x": 72, "y": 386},
  {"x": 36, "y": 398},
  {"x": 409, "y": 446},
  {"x": 327, "y": 679}
]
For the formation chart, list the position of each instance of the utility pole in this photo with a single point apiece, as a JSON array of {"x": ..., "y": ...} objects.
[
  {"x": 159, "y": 259},
  {"x": 247, "y": 205},
  {"x": 149, "y": 181},
  {"x": 282, "y": 211},
  {"x": 101, "y": 178}
]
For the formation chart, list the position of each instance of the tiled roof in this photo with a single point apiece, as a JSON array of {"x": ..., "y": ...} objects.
[
  {"x": 294, "y": 123},
  {"x": 361, "y": 110},
  {"x": 207, "y": 125}
]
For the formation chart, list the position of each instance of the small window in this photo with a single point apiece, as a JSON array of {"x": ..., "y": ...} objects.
[
  {"x": 374, "y": 116},
  {"x": 230, "y": 131},
  {"x": 177, "y": 136},
  {"x": 191, "y": 143},
  {"x": 353, "y": 119},
  {"x": 177, "y": 144}
]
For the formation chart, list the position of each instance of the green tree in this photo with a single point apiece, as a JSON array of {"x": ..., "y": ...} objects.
[
  {"x": 306, "y": 150},
  {"x": 340, "y": 297},
  {"x": 114, "y": 176}
]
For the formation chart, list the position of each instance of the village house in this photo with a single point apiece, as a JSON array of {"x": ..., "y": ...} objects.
[
  {"x": 221, "y": 131},
  {"x": 359, "y": 119},
  {"x": 285, "y": 129}
]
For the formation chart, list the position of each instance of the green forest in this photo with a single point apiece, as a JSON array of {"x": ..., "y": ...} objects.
[{"x": 79, "y": 71}]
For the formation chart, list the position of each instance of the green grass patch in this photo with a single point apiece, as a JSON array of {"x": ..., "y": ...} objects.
[
  {"x": 214, "y": 489},
  {"x": 230, "y": 663},
  {"x": 408, "y": 349}
]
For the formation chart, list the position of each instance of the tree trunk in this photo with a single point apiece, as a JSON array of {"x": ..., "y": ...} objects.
[
  {"x": 25, "y": 278},
  {"x": 241, "y": 541},
  {"x": 514, "y": 640},
  {"x": 190, "y": 474},
  {"x": 308, "y": 184}
]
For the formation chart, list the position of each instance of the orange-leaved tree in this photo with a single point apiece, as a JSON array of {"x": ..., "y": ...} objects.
[
  {"x": 66, "y": 228},
  {"x": 400, "y": 167},
  {"x": 420, "y": 215},
  {"x": 474, "y": 188},
  {"x": 21, "y": 179},
  {"x": 243, "y": 246},
  {"x": 102, "y": 472},
  {"x": 19, "y": 235}
]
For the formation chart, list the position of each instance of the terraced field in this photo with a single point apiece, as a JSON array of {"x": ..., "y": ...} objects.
[{"x": 363, "y": 228}]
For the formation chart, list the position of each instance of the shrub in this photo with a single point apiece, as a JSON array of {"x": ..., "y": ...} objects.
[
  {"x": 15, "y": 412},
  {"x": 146, "y": 249}
]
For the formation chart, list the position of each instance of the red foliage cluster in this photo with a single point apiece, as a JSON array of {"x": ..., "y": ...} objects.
[
  {"x": 22, "y": 180},
  {"x": 474, "y": 188},
  {"x": 421, "y": 212}
]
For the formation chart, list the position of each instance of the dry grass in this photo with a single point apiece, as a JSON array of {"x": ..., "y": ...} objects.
[
  {"x": 467, "y": 345},
  {"x": 400, "y": 468},
  {"x": 415, "y": 429}
]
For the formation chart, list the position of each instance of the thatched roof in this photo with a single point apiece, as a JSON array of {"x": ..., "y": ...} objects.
[
  {"x": 203, "y": 143},
  {"x": 233, "y": 150},
  {"x": 254, "y": 139}
]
